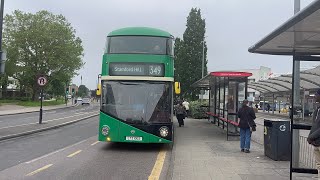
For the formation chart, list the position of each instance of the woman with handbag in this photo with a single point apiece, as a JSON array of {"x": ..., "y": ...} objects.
[{"x": 246, "y": 125}]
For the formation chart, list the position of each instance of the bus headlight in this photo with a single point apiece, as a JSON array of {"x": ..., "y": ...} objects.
[
  {"x": 164, "y": 131},
  {"x": 105, "y": 130}
]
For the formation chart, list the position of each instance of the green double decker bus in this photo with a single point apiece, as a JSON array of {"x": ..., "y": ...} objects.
[{"x": 137, "y": 86}]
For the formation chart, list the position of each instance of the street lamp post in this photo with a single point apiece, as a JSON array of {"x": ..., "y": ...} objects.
[
  {"x": 1, "y": 23},
  {"x": 2, "y": 54},
  {"x": 202, "y": 58},
  {"x": 202, "y": 68}
]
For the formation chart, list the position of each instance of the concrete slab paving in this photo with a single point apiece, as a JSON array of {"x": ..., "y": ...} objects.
[{"x": 201, "y": 151}]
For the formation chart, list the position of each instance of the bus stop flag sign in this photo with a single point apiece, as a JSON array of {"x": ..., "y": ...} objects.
[{"x": 42, "y": 81}]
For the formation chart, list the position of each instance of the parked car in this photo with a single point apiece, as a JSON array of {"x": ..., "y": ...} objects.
[
  {"x": 78, "y": 100},
  {"x": 86, "y": 100}
]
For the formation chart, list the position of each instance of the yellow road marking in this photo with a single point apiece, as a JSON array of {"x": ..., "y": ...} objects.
[
  {"x": 40, "y": 169},
  {"x": 94, "y": 143},
  {"x": 157, "y": 168},
  {"x": 75, "y": 153}
]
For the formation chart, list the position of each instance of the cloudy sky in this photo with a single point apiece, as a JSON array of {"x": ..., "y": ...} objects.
[{"x": 232, "y": 27}]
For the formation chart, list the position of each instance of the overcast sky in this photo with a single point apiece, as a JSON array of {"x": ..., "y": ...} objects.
[{"x": 232, "y": 27}]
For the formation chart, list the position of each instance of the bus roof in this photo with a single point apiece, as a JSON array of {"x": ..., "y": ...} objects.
[{"x": 139, "y": 31}]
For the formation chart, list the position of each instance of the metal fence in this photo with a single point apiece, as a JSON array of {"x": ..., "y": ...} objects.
[{"x": 307, "y": 159}]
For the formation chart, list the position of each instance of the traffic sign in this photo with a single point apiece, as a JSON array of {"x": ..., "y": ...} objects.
[{"x": 42, "y": 81}]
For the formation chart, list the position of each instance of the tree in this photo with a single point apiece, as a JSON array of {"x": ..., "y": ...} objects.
[
  {"x": 83, "y": 91},
  {"x": 57, "y": 88},
  {"x": 188, "y": 54},
  {"x": 41, "y": 43}
]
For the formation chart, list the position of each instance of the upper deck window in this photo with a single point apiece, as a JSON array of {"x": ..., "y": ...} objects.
[{"x": 139, "y": 45}]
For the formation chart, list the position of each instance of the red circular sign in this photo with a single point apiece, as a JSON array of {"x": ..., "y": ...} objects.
[{"x": 42, "y": 81}]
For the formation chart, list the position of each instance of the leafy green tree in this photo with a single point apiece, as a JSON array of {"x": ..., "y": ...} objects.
[
  {"x": 56, "y": 88},
  {"x": 83, "y": 91},
  {"x": 188, "y": 54},
  {"x": 41, "y": 43}
]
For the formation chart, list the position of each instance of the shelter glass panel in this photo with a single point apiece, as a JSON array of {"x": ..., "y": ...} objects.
[
  {"x": 241, "y": 93},
  {"x": 226, "y": 99},
  {"x": 221, "y": 102},
  {"x": 212, "y": 97}
]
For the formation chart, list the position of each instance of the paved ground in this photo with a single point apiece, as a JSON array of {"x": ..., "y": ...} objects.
[
  {"x": 202, "y": 152},
  {"x": 26, "y": 148},
  {"x": 33, "y": 117},
  {"x": 14, "y": 109},
  {"x": 72, "y": 152},
  {"x": 22, "y": 124}
]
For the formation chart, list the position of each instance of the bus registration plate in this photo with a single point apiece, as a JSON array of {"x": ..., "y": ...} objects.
[{"x": 133, "y": 138}]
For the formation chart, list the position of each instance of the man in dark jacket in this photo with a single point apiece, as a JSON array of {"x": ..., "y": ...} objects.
[
  {"x": 246, "y": 125},
  {"x": 314, "y": 135}
]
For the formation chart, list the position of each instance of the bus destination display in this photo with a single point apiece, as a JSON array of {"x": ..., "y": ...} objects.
[{"x": 136, "y": 69}]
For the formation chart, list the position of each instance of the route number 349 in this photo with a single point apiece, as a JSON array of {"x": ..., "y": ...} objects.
[{"x": 154, "y": 70}]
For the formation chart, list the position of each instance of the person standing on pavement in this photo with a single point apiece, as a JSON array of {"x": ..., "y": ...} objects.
[
  {"x": 268, "y": 107},
  {"x": 314, "y": 135},
  {"x": 186, "y": 105},
  {"x": 246, "y": 125},
  {"x": 180, "y": 113}
]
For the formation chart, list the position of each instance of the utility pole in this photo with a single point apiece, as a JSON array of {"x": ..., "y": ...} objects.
[
  {"x": 296, "y": 101},
  {"x": 202, "y": 69},
  {"x": 1, "y": 23},
  {"x": 2, "y": 54},
  {"x": 202, "y": 58}
]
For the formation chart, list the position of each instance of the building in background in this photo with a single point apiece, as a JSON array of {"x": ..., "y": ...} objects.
[
  {"x": 73, "y": 89},
  {"x": 262, "y": 73}
]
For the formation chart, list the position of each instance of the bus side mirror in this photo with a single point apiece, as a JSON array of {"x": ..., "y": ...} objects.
[
  {"x": 177, "y": 88},
  {"x": 99, "y": 90}
]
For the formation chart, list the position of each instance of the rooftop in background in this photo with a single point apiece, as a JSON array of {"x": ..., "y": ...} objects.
[
  {"x": 139, "y": 31},
  {"x": 300, "y": 35},
  {"x": 309, "y": 80},
  {"x": 205, "y": 81}
]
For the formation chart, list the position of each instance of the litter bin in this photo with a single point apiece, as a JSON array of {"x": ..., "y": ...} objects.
[{"x": 277, "y": 139}]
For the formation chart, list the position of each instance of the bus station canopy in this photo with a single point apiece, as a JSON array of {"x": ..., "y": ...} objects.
[
  {"x": 205, "y": 81},
  {"x": 309, "y": 79},
  {"x": 300, "y": 35}
]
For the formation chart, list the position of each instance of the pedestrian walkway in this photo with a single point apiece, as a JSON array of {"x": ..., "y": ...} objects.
[
  {"x": 7, "y": 109},
  {"x": 29, "y": 128},
  {"x": 202, "y": 152}
]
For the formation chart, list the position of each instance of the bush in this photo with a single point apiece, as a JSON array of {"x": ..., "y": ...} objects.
[
  {"x": 198, "y": 110},
  {"x": 25, "y": 99}
]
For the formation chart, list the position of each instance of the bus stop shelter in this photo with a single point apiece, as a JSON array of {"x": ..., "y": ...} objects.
[
  {"x": 298, "y": 37},
  {"x": 227, "y": 91}
]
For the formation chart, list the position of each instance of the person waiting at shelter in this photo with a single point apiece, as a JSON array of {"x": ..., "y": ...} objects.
[
  {"x": 180, "y": 113},
  {"x": 246, "y": 125},
  {"x": 186, "y": 105},
  {"x": 314, "y": 135},
  {"x": 268, "y": 107}
]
